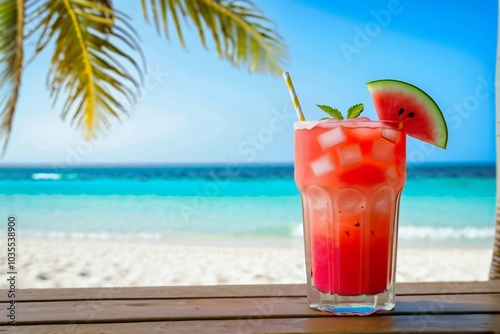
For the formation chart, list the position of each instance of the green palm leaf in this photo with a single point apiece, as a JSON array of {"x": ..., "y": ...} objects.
[
  {"x": 239, "y": 31},
  {"x": 11, "y": 62},
  {"x": 91, "y": 59},
  {"x": 92, "y": 66}
]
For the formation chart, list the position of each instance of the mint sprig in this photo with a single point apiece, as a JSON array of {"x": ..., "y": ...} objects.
[
  {"x": 333, "y": 112},
  {"x": 355, "y": 110},
  {"x": 352, "y": 112}
]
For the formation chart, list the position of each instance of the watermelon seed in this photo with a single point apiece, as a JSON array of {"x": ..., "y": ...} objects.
[{"x": 402, "y": 111}]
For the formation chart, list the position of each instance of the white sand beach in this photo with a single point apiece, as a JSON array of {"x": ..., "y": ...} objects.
[{"x": 62, "y": 263}]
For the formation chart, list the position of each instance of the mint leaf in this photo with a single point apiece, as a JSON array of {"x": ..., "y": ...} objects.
[
  {"x": 355, "y": 110},
  {"x": 333, "y": 112}
]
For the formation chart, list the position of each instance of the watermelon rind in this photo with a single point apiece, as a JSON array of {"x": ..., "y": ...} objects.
[{"x": 390, "y": 95}]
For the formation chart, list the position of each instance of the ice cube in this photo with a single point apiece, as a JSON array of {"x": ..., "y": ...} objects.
[
  {"x": 350, "y": 200},
  {"x": 332, "y": 137},
  {"x": 349, "y": 154},
  {"x": 383, "y": 150},
  {"x": 389, "y": 134},
  {"x": 323, "y": 165}
]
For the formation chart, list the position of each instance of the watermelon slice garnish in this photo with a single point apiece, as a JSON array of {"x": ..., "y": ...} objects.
[{"x": 399, "y": 101}]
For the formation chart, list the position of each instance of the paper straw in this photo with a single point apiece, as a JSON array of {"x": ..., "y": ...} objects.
[{"x": 294, "y": 97}]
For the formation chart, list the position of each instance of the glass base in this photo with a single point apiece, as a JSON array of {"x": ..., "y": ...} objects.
[{"x": 352, "y": 305}]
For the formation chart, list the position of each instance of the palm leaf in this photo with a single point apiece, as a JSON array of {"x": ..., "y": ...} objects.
[
  {"x": 91, "y": 58},
  {"x": 240, "y": 33},
  {"x": 11, "y": 62}
]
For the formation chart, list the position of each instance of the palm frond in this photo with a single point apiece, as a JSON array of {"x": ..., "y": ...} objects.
[
  {"x": 91, "y": 60},
  {"x": 11, "y": 62},
  {"x": 240, "y": 32}
]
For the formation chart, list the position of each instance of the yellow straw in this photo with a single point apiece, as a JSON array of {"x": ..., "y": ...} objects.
[{"x": 294, "y": 97}]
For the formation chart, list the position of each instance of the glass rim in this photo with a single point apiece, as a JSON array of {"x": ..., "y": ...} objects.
[{"x": 349, "y": 123}]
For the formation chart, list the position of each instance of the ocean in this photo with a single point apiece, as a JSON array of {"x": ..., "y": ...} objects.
[{"x": 440, "y": 205}]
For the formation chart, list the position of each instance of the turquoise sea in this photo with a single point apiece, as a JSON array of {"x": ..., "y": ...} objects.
[{"x": 440, "y": 205}]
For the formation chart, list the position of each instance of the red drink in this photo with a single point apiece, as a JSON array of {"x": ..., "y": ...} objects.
[{"x": 350, "y": 175}]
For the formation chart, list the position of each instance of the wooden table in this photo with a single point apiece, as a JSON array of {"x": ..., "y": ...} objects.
[{"x": 421, "y": 307}]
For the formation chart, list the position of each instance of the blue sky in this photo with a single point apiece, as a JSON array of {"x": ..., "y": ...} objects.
[{"x": 196, "y": 108}]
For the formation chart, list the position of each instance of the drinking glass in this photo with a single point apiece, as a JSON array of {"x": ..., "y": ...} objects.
[{"x": 350, "y": 175}]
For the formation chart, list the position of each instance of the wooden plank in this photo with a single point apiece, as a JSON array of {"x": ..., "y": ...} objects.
[
  {"x": 476, "y": 323},
  {"x": 444, "y": 288},
  {"x": 229, "y": 308},
  {"x": 242, "y": 291},
  {"x": 166, "y": 292}
]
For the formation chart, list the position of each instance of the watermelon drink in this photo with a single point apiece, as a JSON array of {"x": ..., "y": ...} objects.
[{"x": 350, "y": 174}]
